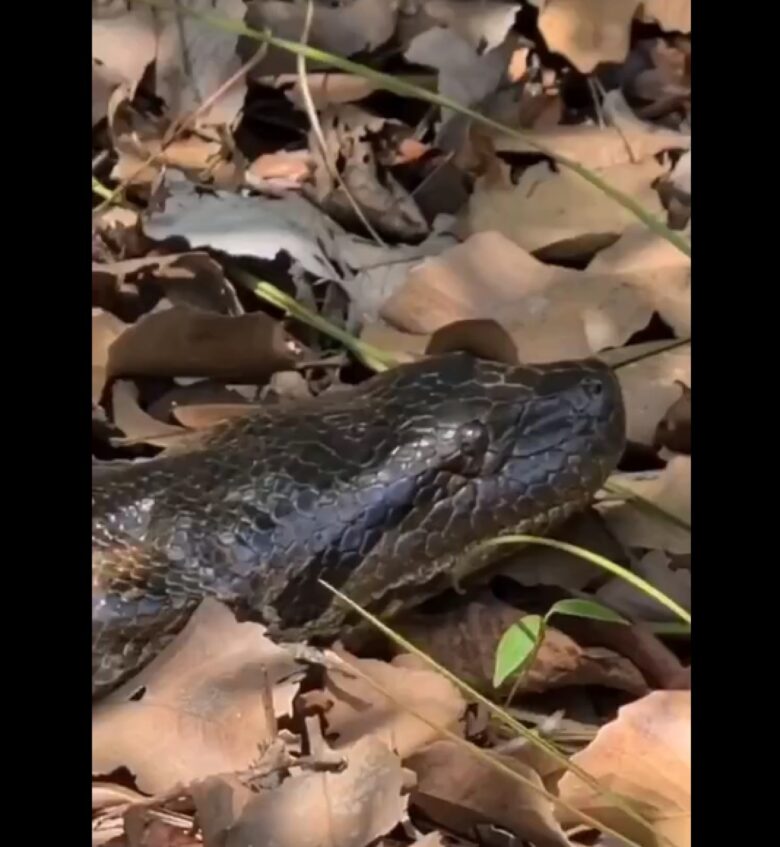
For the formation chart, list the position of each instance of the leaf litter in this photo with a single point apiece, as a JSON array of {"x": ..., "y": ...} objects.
[{"x": 486, "y": 243}]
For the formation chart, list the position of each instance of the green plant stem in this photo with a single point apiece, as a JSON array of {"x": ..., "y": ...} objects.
[
  {"x": 599, "y": 561},
  {"x": 403, "y": 88}
]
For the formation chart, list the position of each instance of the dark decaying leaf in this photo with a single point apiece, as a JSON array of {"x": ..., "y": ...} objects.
[
  {"x": 186, "y": 279},
  {"x": 185, "y": 342},
  {"x": 465, "y": 640},
  {"x": 106, "y": 328},
  {"x": 459, "y": 792}
]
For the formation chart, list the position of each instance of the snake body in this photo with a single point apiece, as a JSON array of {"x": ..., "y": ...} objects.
[{"x": 377, "y": 489}]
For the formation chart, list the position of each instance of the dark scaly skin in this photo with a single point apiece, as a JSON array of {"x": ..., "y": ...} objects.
[{"x": 378, "y": 490}]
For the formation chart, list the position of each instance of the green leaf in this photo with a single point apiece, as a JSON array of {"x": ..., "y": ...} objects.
[
  {"x": 518, "y": 644},
  {"x": 576, "y": 608}
]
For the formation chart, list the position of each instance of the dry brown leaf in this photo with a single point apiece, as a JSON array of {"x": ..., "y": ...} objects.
[
  {"x": 359, "y": 709},
  {"x": 674, "y": 430},
  {"x": 283, "y": 169},
  {"x": 465, "y": 640},
  {"x": 185, "y": 342},
  {"x": 203, "y": 705},
  {"x": 135, "y": 423},
  {"x": 551, "y": 312},
  {"x": 645, "y": 755},
  {"x": 670, "y": 15},
  {"x": 459, "y": 791},
  {"x": 558, "y": 211},
  {"x": 188, "y": 279},
  {"x": 588, "y": 32},
  {"x": 650, "y": 386},
  {"x": 106, "y": 328},
  {"x": 669, "y": 490},
  {"x": 351, "y": 808}
]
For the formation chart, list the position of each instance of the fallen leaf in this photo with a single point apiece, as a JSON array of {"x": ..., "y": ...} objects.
[
  {"x": 644, "y": 755},
  {"x": 345, "y": 30},
  {"x": 360, "y": 710},
  {"x": 484, "y": 26},
  {"x": 674, "y": 429},
  {"x": 588, "y": 32},
  {"x": 464, "y": 641},
  {"x": 211, "y": 60},
  {"x": 136, "y": 424},
  {"x": 186, "y": 342},
  {"x": 352, "y": 808},
  {"x": 124, "y": 43},
  {"x": 128, "y": 287},
  {"x": 669, "y": 490},
  {"x": 650, "y": 386},
  {"x": 658, "y": 569},
  {"x": 670, "y": 15},
  {"x": 550, "y": 312},
  {"x": 326, "y": 89},
  {"x": 283, "y": 169},
  {"x": 199, "y": 708},
  {"x": 459, "y": 791},
  {"x": 349, "y": 151},
  {"x": 206, "y": 415},
  {"x": 106, "y": 328},
  {"x": 558, "y": 211}
]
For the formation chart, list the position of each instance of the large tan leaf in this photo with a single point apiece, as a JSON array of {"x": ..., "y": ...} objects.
[
  {"x": 551, "y": 312},
  {"x": 671, "y": 491},
  {"x": 349, "y": 809},
  {"x": 559, "y": 211},
  {"x": 106, "y": 328},
  {"x": 359, "y": 709},
  {"x": 460, "y": 791},
  {"x": 645, "y": 755},
  {"x": 200, "y": 708},
  {"x": 670, "y": 15},
  {"x": 588, "y": 32}
]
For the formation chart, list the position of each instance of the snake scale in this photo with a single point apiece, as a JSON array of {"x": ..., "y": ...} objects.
[{"x": 378, "y": 489}]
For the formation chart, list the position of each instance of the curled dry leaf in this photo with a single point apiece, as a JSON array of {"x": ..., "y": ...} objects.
[
  {"x": 551, "y": 312},
  {"x": 359, "y": 709},
  {"x": 588, "y": 32},
  {"x": 645, "y": 755},
  {"x": 281, "y": 171},
  {"x": 669, "y": 490},
  {"x": 558, "y": 211},
  {"x": 206, "y": 415},
  {"x": 106, "y": 328},
  {"x": 326, "y": 89},
  {"x": 459, "y": 791},
  {"x": 351, "y": 808},
  {"x": 464, "y": 641},
  {"x": 186, "y": 342},
  {"x": 204, "y": 706},
  {"x": 674, "y": 430}
]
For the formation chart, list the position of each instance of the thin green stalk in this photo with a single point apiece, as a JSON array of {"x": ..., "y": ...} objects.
[
  {"x": 601, "y": 562},
  {"x": 500, "y": 713},
  {"x": 372, "y": 357},
  {"x": 403, "y": 88}
]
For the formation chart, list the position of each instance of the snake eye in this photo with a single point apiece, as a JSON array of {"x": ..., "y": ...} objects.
[{"x": 472, "y": 438}]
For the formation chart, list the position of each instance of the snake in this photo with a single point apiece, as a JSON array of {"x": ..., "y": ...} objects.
[{"x": 378, "y": 489}]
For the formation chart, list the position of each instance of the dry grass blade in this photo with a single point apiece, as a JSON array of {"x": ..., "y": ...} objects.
[
  {"x": 531, "y": 736},
  {"x": 404, "y": 88}
]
